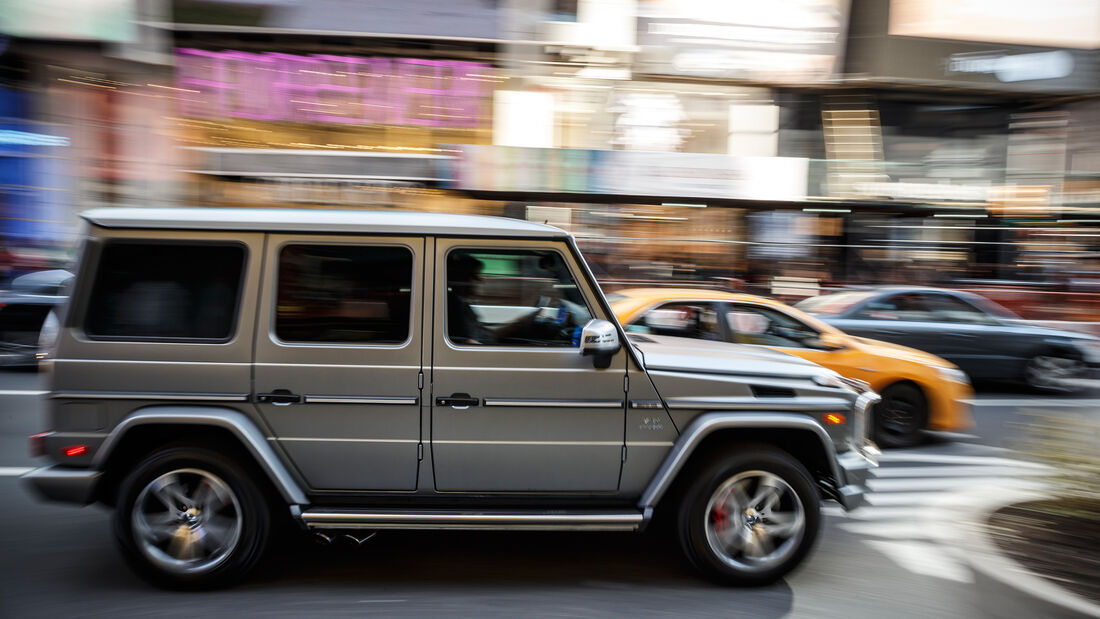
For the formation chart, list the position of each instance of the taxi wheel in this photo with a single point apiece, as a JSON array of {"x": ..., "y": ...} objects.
[{"x": 901, "y": 416}]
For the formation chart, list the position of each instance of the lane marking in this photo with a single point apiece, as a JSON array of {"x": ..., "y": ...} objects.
[
  {"x": 22, "y": 392},
  {"x": 14, "y": 471}
]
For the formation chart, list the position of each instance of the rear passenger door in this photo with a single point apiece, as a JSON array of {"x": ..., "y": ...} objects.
[{"x": 338, "y": 358}]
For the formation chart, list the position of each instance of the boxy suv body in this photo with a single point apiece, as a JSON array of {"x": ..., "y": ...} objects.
[{"x": 216, "y": 370}]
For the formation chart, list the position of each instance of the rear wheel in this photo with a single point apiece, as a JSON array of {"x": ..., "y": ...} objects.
[
  {"x": 750, "y": 517},
  {"x": 901, "y": 416},
  {"x": 190, "y": 518}
]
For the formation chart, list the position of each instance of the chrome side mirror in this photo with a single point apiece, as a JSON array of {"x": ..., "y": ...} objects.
[{"x": 600, "y": 339}]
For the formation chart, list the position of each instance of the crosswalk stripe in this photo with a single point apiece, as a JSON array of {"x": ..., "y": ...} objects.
[
  {"x": 944, "y": 483},
  {"x": 890, "y": 499},
  {"x": 14, "y": 471},
  {"x": 957, "y": 471},
  {"x": 887, "y": 529},
  {"x": 924, "y": 558},
  {"x": 1039, "y": 402},
  {"x": 951, "y": 459},
  {"x": 21, "y": 392}
]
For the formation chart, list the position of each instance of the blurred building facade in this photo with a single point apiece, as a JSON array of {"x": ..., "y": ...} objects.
[{"x": 838, "y": 141}]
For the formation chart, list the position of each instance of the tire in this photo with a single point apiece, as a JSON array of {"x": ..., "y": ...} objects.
[
  {"x": 735, "y": 541},
  {"x": 1046, "y": 372},
  {"x": 901, "y": 417},
  {"x": 214, "y": 543}
]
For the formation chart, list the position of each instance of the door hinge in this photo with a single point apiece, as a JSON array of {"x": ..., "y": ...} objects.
[
  {"x": 626, "y": 383},
  {"x": 419, "y": 452},
  {"x": 624, "y": 453},
  {"x": 420, "y": 380}
]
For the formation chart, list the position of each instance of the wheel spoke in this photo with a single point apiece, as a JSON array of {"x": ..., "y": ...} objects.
[
  {"x": 211, "y": 498},
  {"x": 784, "y": 524},
  {"x": 218, "y": 532},
  {"x": 185, "y": 545},
  {"x": 759, "y": 544},
  {"x": 768, "y": 490},
  {"x": 169, "y": 492}
]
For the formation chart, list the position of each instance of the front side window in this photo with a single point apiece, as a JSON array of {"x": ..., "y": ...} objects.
[
  {"x": 697, "y": 320},
  {"x": 513, "y": 297},
  {"x": 344, "y": 294},
  {"x": 949, "y": 309},
  {"x": 165, "y": 291},
  {"x": 761, "y": 326}
]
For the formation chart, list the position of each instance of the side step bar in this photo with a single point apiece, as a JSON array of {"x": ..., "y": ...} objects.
[{"x": 625, "y": 520}]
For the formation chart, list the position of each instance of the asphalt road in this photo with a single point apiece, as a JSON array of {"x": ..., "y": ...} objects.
[{"x": 883, "y": 560}]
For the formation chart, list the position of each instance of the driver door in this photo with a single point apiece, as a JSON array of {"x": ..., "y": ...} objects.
[{"x": 515, "y": 407}]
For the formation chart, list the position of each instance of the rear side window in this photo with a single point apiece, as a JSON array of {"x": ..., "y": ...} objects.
[
  {"x": 165, "y": 291},
  {"x": 350, "y": 294}
]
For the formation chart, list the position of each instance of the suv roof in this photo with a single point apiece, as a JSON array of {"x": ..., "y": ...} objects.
[{"x": 316, "y": 220}]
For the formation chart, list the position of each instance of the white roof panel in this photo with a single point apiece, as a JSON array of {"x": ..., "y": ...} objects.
[{"x": 316, "y": 220}]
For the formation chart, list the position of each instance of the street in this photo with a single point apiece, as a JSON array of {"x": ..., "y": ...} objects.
[{"x": 881, "y": 560}]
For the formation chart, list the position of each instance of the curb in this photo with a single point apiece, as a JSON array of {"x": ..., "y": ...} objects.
[{"x": 1004, "y": 588}]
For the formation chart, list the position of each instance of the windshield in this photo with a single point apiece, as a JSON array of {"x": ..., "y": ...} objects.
[
  {"x": 834, "y": 303},
  {"x": 615, "y": 297}
]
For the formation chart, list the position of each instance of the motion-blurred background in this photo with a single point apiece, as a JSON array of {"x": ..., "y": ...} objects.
[{"x": 783, "y": 147}]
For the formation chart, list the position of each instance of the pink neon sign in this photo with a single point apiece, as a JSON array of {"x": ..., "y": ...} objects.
[{"x": 337, "y": 89}]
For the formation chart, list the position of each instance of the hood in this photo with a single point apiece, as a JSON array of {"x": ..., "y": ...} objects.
[
  {"x": 678, "y": 354},
  {"x": 897, "y": 351}
]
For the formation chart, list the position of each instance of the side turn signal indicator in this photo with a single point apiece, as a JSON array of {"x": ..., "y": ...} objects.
[{"x": 835, "y": 419}]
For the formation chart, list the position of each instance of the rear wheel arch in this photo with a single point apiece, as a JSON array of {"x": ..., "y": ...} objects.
[{"x": 156, "y": 428}]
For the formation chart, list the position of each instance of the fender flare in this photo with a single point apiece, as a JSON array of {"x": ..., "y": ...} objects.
[
  {"x": 706, "y": 424},
  {"x": 243, "y": 428}
]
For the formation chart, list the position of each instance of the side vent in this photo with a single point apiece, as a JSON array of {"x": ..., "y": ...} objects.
[{"x": 763, "y": 391}]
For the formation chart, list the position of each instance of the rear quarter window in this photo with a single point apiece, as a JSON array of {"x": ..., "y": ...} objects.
[{"x": 165, "y": 291}]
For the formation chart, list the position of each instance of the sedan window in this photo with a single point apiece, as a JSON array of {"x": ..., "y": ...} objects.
[
  {"x": 761, "y": 326},
  {"x": 909, "y": 306},
  {"x": 946, "y": 308},
  {"x": 682, "y": 319}
]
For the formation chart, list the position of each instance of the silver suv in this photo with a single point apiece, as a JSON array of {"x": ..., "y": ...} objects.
[{"x": 219, "y": 370}]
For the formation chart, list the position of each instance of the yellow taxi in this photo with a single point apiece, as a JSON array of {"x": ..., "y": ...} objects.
[{"x": 919, "y": 390}]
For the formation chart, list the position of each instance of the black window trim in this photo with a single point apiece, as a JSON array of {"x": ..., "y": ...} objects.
[{"x": 102, "y": 245}]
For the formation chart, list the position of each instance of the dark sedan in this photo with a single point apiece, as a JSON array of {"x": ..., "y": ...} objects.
[
  {"x": 25, "y": 311},
  {"x": 985, "y": 340}
]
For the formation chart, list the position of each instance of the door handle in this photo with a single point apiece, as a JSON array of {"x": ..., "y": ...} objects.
[
  {"x": 458, "y": 400},
  {"x": 279, "y": 397}
]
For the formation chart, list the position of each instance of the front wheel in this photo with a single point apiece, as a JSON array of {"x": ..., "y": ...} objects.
[
  {"x": 1054, "y": 372},
  {"x": 749, "y": 517},
  {"x": 190, "y": 518},
  {"x": 900, "y": 418}
]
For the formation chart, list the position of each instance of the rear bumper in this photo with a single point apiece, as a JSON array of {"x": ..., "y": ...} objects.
[{"x": 67, "y": 485}]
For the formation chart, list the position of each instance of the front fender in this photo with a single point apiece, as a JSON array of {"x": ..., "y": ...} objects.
[{"x": 708, "y": 423}]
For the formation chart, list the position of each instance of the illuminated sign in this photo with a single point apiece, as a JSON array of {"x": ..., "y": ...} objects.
[{"x": 334, "y": 89}]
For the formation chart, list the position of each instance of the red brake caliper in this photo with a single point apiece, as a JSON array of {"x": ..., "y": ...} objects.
[{"x": 720, "y": 517}]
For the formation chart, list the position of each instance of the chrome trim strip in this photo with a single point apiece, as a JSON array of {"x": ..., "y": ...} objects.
[
  {"x": 707, "y": 423},
  {"x": 649, "y": 443},
  {"x": 647, "y": 404},
  {"x": 371, "y": 400},
  {"x": 585, "y": 443},
  {"x": 759, "y": 404},
  {"x": 152, "y": 395},
  {"x": 231, "y": 420},
  {"x": 552, "y": 403},
  {"x": 443, "y": 520},
  {"x": 301, "y": 439}
]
